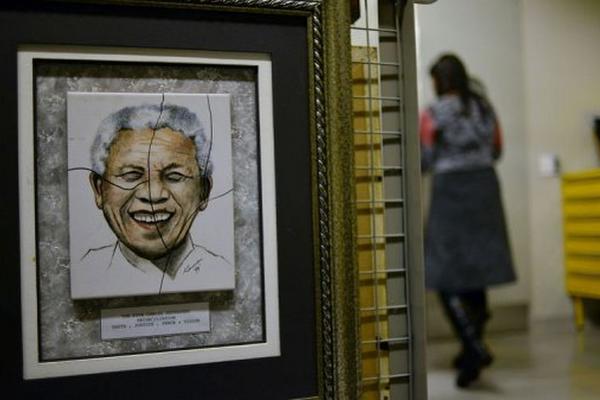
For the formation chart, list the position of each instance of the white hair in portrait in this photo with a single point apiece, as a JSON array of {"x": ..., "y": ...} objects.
[{"x": 156, "y": 117}]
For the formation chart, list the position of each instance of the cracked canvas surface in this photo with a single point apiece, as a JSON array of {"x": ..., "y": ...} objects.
[{"x": 70, "y": 329}]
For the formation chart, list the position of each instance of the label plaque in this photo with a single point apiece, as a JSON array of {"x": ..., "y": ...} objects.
[{"x": 122, "y": 323}]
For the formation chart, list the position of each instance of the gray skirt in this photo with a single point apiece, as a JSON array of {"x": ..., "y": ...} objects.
[{"x": 466, "y": 242}]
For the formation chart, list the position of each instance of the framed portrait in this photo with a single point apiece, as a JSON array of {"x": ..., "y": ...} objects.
[
  {"x": 164, "y": 249},
  {"x": 178, "y": 173}
]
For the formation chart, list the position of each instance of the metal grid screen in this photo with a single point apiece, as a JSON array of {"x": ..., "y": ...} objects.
[{"x": 384, "y": 277}]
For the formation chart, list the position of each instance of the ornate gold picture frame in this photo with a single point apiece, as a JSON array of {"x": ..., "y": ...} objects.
[{"x": 307, "y": 43}]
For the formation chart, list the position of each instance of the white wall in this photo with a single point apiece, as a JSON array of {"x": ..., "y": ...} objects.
[
  {"x": 562, "y": 84},
  {"x": 486, "y": 34}
]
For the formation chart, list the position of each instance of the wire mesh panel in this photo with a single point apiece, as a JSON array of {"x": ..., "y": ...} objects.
[{"x": 384, "y": 276}]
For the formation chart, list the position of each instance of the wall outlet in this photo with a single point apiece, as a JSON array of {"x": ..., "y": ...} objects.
[{"x": 548, "y": 165}]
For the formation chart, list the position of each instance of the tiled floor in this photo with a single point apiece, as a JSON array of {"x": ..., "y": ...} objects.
[{"x": 550, "y": 362}]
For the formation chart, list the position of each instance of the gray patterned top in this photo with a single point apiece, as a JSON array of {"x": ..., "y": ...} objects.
[{"x": 454, "y": 140}]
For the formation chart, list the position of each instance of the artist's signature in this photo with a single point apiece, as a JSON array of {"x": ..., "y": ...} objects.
[{"x": 195, "y": 267}]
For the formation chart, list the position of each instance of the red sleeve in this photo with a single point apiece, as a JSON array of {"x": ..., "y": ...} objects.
[
  {"x": 427, "y": 133},
  {"x": 497, "y": 140},
  {"x": 427, "y": 129}
]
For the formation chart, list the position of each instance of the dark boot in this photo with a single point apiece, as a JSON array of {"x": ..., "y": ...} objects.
[
  {"x": 476, "y": 355},
  {"x": 459, "y": 361},
  {"x": 475, "y": 302}
]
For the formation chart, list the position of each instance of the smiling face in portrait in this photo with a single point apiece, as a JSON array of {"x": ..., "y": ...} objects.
[{"x": 151, "y": 190}]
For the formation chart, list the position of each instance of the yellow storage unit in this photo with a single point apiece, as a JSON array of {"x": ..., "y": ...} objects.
[{"x": 581, "y": 226}]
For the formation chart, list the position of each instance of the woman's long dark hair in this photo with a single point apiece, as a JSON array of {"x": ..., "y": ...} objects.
[{"x": 450, "y": 76}]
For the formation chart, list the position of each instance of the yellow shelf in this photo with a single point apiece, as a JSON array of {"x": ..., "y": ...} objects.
[
  {"x": 583, "y": 227},
  {"x": 584, "y": 285},
  {"x": 582, "y": 246},
  {"x": 581, "y": 209},
  {"x": 581, "y": 230},
  {"x": 582, "y": 190},
  {"x": 583, "y": 265},
  {"x": 581, "y": 175}
]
